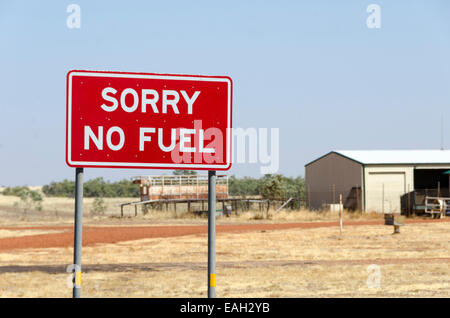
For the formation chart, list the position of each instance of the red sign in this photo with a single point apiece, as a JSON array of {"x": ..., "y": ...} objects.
[{"x": 141, "y": 120}]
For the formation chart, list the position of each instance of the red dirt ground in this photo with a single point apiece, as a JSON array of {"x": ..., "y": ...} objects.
[{"x": 96, "y": 234}]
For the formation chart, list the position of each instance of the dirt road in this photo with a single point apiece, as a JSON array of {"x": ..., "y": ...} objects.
[{"x": 96, "y": 234}]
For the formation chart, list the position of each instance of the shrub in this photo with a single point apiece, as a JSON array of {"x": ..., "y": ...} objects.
[
  {"x": 98, "y": 207},
  {"x": 29, "y": 199}
]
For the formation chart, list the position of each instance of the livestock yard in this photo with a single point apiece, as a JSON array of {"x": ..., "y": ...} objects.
[{"x": 164, "y": 253}]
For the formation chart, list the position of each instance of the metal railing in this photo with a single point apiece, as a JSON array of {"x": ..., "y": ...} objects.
[{"x": 179, "y": 186}]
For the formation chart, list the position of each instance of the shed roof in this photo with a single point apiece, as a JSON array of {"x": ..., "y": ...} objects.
[{"x": 433, "y": 156}]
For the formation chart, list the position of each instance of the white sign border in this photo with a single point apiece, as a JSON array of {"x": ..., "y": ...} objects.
[{"x": 136, "y": 165}]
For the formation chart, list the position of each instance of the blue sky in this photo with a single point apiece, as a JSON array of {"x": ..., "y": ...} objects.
[{"x": 313, "y": 69}]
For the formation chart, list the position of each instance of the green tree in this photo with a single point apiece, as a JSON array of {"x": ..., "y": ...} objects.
[
  {"x": 244, "y": 186},
  {"x": 63, "y": 188},
  {"x": 273, "y": 187}
]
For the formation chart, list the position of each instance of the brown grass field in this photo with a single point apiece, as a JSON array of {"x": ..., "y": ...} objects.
[{"x": 264, "y": 260}]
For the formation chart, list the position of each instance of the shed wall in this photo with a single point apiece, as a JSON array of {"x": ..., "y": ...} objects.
[
  {"x": 332, "y": 169},
  {"x": 384, "y": 185}
]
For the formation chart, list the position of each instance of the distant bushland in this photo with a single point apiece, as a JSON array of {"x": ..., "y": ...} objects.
[
  {"x": 270, "y": 186},
  {"x": 95, "y": 188},
  {"x": 16, "y": 191}
]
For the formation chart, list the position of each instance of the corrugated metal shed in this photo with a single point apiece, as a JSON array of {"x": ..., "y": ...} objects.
[{"x": 376, "y": 180}]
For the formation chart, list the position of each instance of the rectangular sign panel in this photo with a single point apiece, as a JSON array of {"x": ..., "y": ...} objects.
[{"x": 140, "y": 120}]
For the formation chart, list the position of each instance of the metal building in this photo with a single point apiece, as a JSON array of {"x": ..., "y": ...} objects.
[{"x": 386, "y": 181}]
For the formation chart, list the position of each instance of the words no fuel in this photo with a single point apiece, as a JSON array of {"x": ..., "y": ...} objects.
[{"x": 130, "y": 101}]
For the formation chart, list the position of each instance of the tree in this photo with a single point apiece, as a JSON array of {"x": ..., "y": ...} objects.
[
  {"x": 63, "y": 188},
  {"x": 272, "y": 187},
  {"x": 244, "y": 186}
]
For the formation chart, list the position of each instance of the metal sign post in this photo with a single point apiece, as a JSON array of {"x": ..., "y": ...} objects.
[
  {"x": 78, "y": 227},
  {"x": 211, "y": 234}
]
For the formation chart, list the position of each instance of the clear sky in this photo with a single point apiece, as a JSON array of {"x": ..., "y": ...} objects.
[{"x": 313, "y": 69}]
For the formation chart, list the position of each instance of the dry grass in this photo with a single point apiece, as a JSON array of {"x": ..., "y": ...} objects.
[
  {"x": 293, "y": 281},
  {"x": 290, "y": 263},
  {"x": 60, "y": 211},
  {"x": 67, "y": 204},
  {"x": 306, "y": 215},
  {"x": 55, "y": 210},
  {"x": 18, "y": 233}
]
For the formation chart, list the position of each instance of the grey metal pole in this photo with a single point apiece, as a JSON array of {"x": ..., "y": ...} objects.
[
  {"x": 77, "y": 232},
  {"x": 211, "y": 234}
]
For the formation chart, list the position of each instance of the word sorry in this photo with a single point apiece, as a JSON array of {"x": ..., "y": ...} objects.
[{"x": 145, "y": 98}]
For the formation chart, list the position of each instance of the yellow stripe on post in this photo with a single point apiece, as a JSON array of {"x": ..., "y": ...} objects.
[
  {"x": 212, "y": 280},
  {"x": 77, "y": 278}
]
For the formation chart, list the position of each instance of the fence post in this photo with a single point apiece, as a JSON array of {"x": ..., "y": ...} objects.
[
  {"x": 340, "y": 213},
  {"x": 409, "y": 201},
  {"x": 357, "y": 197}
]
